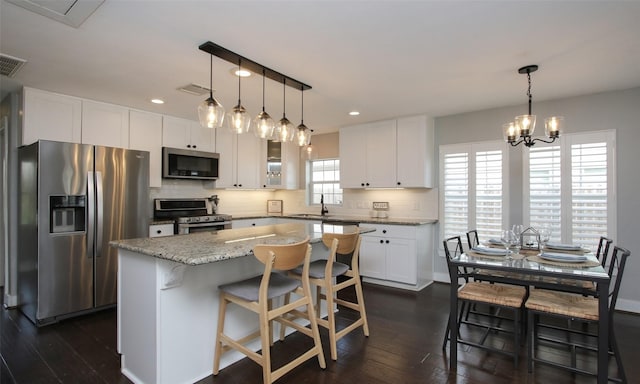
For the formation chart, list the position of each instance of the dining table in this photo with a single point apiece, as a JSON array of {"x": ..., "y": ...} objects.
[{"x": 527, "y": 268}]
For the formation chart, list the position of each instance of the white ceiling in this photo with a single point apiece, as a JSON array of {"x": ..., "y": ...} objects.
[{"x": 383, "y": 58}]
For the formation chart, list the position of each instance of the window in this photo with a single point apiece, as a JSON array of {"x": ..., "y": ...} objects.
[
  {"x": 570, "y": 187},
  {"x": 474, "y": 192},
  {"x": 325, "y": 180}
]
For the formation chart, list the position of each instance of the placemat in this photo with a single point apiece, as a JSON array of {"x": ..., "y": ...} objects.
[{"x": 584, "y": 264}]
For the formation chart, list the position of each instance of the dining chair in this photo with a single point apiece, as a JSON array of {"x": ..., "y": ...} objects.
[
  {"x": 472, "y": 238},
  {"x": 543, "y": 302},
  {"x": 498, "y": 296},
  {"x": 257, "y": 294},
  {"x": 324, "y": 273}
]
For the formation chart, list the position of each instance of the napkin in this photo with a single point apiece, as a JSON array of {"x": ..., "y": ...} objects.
[
  {"x": 564, "y": 247},
  {"x": 495, "y": 241},
  {"x": 562, "y": 256},
  {"x": 489, "y": 251}
]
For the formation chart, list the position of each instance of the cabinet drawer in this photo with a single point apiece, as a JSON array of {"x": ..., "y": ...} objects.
[
  {"x": 396, "y": 231},
  {"x": 159, "y": 230}
]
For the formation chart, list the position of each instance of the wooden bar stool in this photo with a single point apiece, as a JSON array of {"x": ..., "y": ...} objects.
[
  {"x": 257, "y": 294},
  {"x": 323, "y": 273}
]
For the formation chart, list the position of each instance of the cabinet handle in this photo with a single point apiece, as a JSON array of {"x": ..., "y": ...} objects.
[
  {"x": 387, "y": 241},
  {"x": 235, "y": 185},
  {"x": 253, "y": 224},
  {"x": 367, "y": 184},
  {"x": 381, "y": 241},
  {"x": 240, "y": 185},
  {"x": 384, "y": 231},
  {"x": 399, "y": 183},
  {"x": 362, "y": 184},
  {"x": 159, "y": 231},
  {"x": 188, "y": 145},
  {"x": 195, "y": 146}
]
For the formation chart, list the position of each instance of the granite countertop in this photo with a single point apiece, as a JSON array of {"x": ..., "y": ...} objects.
[
  {"x": 347, "y": 219},
  {"x": 208, "y": 247}
]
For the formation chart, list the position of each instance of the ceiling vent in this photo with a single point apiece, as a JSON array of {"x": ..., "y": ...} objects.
[
  {"x": 194, "y": 89},
  {"x": 10, "y": 65},
  {"x": 70, "y": 12}
]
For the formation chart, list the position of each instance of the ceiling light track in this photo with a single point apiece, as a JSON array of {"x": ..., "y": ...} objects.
[{"x": 232, "y": 57}]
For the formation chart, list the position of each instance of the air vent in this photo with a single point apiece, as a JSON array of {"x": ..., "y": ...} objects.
[
  {"x": 194, "y": 89},
  {"x": 70, "y": 12},
  {"x": 10, "y": 65}
]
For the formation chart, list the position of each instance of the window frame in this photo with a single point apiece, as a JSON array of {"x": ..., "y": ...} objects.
[
  {"x": 310, "y": 182},
  {"x": 472, "y": 149},
  {"x": 565, "y": 144}
]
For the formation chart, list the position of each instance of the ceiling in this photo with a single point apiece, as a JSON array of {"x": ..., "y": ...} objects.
[{"x": 382, "y": 58}]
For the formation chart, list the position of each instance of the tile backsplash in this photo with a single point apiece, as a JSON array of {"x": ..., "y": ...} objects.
[{"x": 406, "y": 203}]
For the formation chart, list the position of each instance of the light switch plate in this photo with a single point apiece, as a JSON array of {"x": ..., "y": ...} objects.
[{"x": 380, "y": 205}]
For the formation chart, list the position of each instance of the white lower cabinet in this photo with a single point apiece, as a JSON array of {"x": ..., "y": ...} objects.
[
  {"x": 245, "y": 223},
  {"x": 397, "y": 255}
]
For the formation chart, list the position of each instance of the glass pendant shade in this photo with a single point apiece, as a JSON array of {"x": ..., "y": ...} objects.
[
  {"x": 283, "y": 131},
  {"x": 211, "y": 113},
  {"x": 510, "y": 133},
  {"x": 263, "y": 125},
  {"x": 238, "y": 120},
  {"x": 553, "y": 126},
  {"x": 526, "y": 124},
  {"x": 303, "y": 135}
]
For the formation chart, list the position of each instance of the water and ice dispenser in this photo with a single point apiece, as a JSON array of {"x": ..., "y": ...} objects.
[{"x": 67, "y": 214}]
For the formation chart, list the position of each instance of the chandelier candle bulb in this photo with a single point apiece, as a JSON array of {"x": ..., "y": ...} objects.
[
  {"x": 553, "y": 126},
  {"x": 509, "y": 131}
]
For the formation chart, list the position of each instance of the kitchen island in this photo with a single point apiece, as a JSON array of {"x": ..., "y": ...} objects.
[{"x": 168, "y": 296}]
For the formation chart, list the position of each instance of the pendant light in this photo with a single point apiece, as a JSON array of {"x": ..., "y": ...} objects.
[
  {"x": 521, "y": 130},
  {"x": 210, "y": 111},
  {"x": 283, "y": 131},
  {"x": 238, "y": 120},
  {"x": 263, "y": 124},
  {"x": 303, "y": 135}
]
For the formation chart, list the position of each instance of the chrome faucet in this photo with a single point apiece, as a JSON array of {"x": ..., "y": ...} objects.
[{"x": 323, "y": 208}]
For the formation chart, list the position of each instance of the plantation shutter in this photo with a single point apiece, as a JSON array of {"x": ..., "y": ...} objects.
[
  {"x": 545, "y": 193},
  {"x": 455, "y": 193},
  {"x": 489, "y": 193}
]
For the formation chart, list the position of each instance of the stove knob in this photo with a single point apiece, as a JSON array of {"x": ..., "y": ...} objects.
[
  {"x": 206, "y": 218},
  {"x": 195, "y": 219}
]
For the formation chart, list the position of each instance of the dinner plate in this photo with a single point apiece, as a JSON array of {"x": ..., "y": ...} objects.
[
  {"x": 563, "y": 257},
  {"x": 489, "y": 251}
]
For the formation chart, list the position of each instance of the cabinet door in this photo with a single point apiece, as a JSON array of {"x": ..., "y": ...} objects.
[
  {"x": 201, "y": 139},
  {"x": 145, "y": 134},
  {"x": 381, "y": 154},
  {"x": 353, "y": 156},
  {"x": 248, "y": 161},
  {"x": 372, "y": 257},
  {"x": 225, "y": 146},
  {"x": 415, "y": 152},
  {"x": 401, "y": 260},
  {"x": 105, "y": 124},
  {"x": 50, "y": 116},
  {"x": 176, "y": 132}
]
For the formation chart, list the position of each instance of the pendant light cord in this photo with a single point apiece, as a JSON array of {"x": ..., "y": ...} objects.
[
  {"x": 302, "y": 106},
  {"x": 211, "y": 76},
  {"x": 239, "y": 78},
  {"x": 529, "y": 90},
  {"x": 284, "y": 96},
  {"x": 263, "y": 74}
]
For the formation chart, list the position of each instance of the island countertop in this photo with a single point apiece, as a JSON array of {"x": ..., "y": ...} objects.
[{"x": 208, "y": 247}]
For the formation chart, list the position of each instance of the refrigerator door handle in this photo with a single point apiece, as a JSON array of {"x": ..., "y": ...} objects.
[
  {"x": 91, "y": 208},
  {"x": 99, "y": 213}
]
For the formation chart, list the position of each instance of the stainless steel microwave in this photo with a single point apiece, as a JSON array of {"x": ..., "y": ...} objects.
[{"x": 189, "y": 164}]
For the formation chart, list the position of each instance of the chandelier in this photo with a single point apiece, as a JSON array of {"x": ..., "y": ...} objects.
[{"x": 521, "y": 130}]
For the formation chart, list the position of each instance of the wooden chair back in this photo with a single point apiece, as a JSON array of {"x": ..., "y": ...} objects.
[
  {"x": 287, "y": 256},
  {"x": 347, "y": 242}
]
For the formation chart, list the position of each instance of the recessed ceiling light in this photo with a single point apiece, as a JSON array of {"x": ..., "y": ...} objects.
[
  {"x": 157, "y": 101},
  {"x": 242, "y": 72},
  {"x": 354, "y": 113}
]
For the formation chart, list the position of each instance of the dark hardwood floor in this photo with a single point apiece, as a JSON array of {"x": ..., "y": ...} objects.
[{"x": 405, "y": 346}]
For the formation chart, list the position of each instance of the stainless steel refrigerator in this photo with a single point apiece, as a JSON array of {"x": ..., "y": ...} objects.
[{"x": 73, "y": 200}]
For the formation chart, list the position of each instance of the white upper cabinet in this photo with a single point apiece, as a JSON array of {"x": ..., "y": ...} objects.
[
  {"x": 50, "y": 116},
  {"x": 183, "y": 133},
  {"x": 368, "y": 155},
  {"x": 415, "y": 152},
  {"x": 105, "y": 124},
  {"x": 145, "y": 134},
  {"x": 280, "y": 165},
  {"x": 240, "y": 160},
  {"x": 387, "y": 154}
]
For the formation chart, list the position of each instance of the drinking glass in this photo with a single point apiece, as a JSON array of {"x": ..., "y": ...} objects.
[
  {"x": 509, "y": 239},
  {"x": 545, "y": 235}
]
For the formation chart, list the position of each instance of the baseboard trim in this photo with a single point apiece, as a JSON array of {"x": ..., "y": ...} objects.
[
  {"x": 628, "y": 305},
  {"x": 10, "y": 301}
]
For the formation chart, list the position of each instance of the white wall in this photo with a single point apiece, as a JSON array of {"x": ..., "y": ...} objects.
[{"x": 617, "y": 110}]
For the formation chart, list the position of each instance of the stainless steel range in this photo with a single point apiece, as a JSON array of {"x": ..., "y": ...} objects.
[{"x": 191, "y": 215}]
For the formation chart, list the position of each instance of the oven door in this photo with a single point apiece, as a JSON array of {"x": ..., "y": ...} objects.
[{"x": 210, "y": 226}]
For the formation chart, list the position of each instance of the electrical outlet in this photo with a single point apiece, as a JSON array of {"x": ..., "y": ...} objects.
[{"x": 380, "y": 205}]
